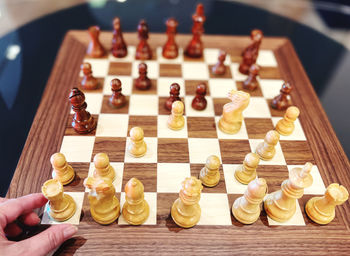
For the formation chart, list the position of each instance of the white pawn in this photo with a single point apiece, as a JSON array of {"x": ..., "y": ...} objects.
[
  {"x": 176, "y": 121},
  {"x": 246, "y": 172},
  {"x": 246, "y": 209},
  {"x": 210, "y": 174},
  {"x": 62, "y": 171},
  {"x": 285, "y": 126},
  {"x": 103, "y": 169},
  {"x": 266, "y": 149},
  {"x": 137, "y": 146}
]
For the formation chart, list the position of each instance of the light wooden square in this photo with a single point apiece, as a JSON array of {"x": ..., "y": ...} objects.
[
  {"x": 163, "y": 86},
  {"x": 211, "y": 56},
  {"x": 151, "y": 199},
  {"x": 152, "y": 69},
  {"x": 232, "y": 185},
  {"x": 237, "y": 76},
  {"x": 215, "y": 209},
  {"x": 165, "y": 132},
  {"x": 296, "y": 220},
  {"x": 143, "y": 105},
  {"x": 149, "y": 157},
  {"x": 266, "y": 58},
  {"x": 118, "y": 169},
  {"x": 196, "y": 71},
  {"x": 207, "y": 112},
  {"x": 170, "y": 176},
  {"x": 94, "y": 103},
  {"x": 257, "y": 108},
  {"x": 278, "y": 159},
  {"x": 298, "y": 133},
  {"x": 75, "y": 219},
  {"x": 128, "y": 58},
  {"x": 112, "y": 125},
  {"x": 99, "y": 67},
  {"x": 77, "y": 148},
  {"x": 270, "y": 87},
  {"x": 219, "y": 87},
  {"x": 126, "y": 84},
  {"x": 200, "y": 149},
  {"x": 240, "y": 135},
  {"x": 163, "y": 60}
]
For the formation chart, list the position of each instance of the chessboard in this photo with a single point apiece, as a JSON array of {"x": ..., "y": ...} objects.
[{"x": 174, "y": 155}]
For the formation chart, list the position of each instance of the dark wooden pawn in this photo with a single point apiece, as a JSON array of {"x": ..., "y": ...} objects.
[
  {"x": 119, "y": 48},
  {"x": 199, "y": 102},
  {"x": 89, "y": 82},
  {"x": 143, "y": 82},
  {"x": 282, "y": 101},
  {"x": 251, "y": 83},
  {"x": 82, "y": 122},
  {"x": 220, "y": 68},
  {"x": 143, "y": 50},
  {"x": 195, "y": 47},
  {"x": 95, "y": 48},
  {"x": 250, "y": 53},
  {"x": 170, "y": 49},
  {"x": 117, "y": 100},
  {"x": 174, "y": 95}
]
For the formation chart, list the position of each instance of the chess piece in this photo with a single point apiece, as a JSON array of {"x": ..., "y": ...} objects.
[
  {"x": 199, "y": 102},
  {"x": 246, "y": 172},
  {"x": 186, "y": 211},
  {"x": 95, "y": 48},
  {"x": 250, "y": 53},
  {"x": 170, "y": 49},
  {"x": 117, "y": 100},
  {"x": 266, "y": 149},
  {"x": 176, "y": 121},
  {"x": 137, "y": 146},
  {"x": 281, "y": 205},
  {"x": 103, "y": 169},
  {"x": 210, "y": 174},
  {"x": 62, "y": 171},
  {"x": 322, "y": 209},
  {"x": 220, "y": 68},
  {"x": 61, "y": 206},
  {"x": 135, "y": 209},
  {"x": 82, "y": 122},
  {"x": 246, "y": 209},
  {"x": 104, "y": 206},
  {"x": 143, "y": 82},
  {"x": 251, "y": 83},
  {"x": 231, "y": 119},
  {"x": 285, "y": 126},
  {"x": 282, "y": 101},
  {"x": 195, "y": 46},
  {"x": 174, "y": 95},
  {"x": 89, "y": 82},
  {"x": 119, "y": 48},
  {"x": 143, "y": 50}
]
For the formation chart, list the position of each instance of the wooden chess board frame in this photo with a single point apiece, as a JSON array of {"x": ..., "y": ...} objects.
[{"x": 49, "y": 127}]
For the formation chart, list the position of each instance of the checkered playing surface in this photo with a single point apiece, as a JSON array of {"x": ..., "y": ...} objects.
[{"x": 174, "y": 155}]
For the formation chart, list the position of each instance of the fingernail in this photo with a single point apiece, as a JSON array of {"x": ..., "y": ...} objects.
[
  {"x": 70, "y": 231},
  {"x": 37, "y": 219}
]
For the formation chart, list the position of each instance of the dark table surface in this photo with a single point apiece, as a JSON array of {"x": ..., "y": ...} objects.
[{"x": 28, "y": 53}]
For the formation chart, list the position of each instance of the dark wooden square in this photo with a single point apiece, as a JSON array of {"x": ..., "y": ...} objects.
[
  {"x": 256, "y": 93},
  {"x": 201, "y": 127},
  {"x": 81, "y": 172},
  {"x": 219, "y": 104},
  {"x": 120, "y": 68},
  {"x": 235, "y": 54},
  {"x": 227, "y": 73},
  {"x": 219, "y": 188},
  {"x": 269, "y": 73},
  {"x": 191, "y": 86},
  {"x": 258, "y": 127},
  {"x": 161, "y": 108},
  {"x": 99, "y": 88},
  {"x": 152, "y": 90},
  {"x": 274, "y": 175},
  {"x": 70, "y": 130},
  {"x": 164, "y": 204},
  {"x": 147, "y": 123},
  {"x": 170, "y": 70},
  {"x": 146, "y": 173},
  {"x": 296, "y": 152},
  {"x": 114, "y": 147},
  {"x": 173, "y": 150},
  {"x": 108, "y": 109},
  {"x": 234, "y": 151}
]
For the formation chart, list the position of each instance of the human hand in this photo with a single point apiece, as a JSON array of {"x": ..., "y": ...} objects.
[{"x": 22, "y": 209}]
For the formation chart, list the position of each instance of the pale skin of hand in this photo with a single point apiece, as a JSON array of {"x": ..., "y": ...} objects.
[{"x": 21, "y": 209}]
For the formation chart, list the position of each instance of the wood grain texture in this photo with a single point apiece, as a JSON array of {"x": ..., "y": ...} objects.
[{"x": 166, "y": 238}]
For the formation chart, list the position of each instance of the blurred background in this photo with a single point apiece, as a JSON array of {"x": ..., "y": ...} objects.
[{"x": 31, "y": 32}]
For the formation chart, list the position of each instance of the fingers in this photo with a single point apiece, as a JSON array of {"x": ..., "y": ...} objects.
[
  {"x": 11, "y": 209},
  {"x": 12, "y": 230},
  {"x": 49, "y": 239},
  {"x": 30, "y": 219}
]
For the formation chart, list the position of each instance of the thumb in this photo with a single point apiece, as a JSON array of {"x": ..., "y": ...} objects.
[{"x": 49, "y": 239}]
